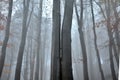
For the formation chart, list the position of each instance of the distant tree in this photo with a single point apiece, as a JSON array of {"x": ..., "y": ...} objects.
[
  {"x": 95, "y": 42},
  {"x": 82, "y": 41},
  {"x": 38, "y": 42},
  {"x": 23, "y": 39},
  {"x": 107, "y": 8},
  {"x": 7, "y": 32}
]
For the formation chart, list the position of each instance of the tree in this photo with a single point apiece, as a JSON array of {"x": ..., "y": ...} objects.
[
  {"x": 116, "y": 30},
  {"x": 66, "y": 41},
  {"x": 95, "y": 42},
  {"x": 55, "y": 56},
  {"x": 82, "y": 41},
  {"x": 38, "y": 41},
  {"x": 23, "y": 39},
  {"x": 7, "y": 32},
  {"x": 107, "y": 8},
  {"x": 116, "y": 52}
]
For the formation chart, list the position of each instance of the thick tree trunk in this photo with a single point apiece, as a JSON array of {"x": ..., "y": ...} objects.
[
  {"x": 4, "y": 46},
  {"x": 82, "y": 41},
  {"x": 95, "y": 42},
  {"x": 66, "y": 41},
  {"x": 55, "y": 67},
  {"x": 23, "y": 40}
]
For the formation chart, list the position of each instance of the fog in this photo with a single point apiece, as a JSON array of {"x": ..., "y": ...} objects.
[{"x": 39, "y": 41}]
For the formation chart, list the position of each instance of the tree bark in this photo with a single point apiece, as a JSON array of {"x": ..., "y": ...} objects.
[
  {"x": 55, "y": 56},
  {"x": 66, "y": 41},
  {"x": 7, "y": 32}
]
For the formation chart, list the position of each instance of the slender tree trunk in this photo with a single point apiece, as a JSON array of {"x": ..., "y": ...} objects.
[
  {"x": 95, "y": 42},
  {"x": 116, "y": 52},
  {"x": 4, "y": 46},
  {"x": 55, "y": 67},
  {"x": 38, "y": 42},
  {"x": 23, "y": 40},
  {"x": 82, "y": 41},
  {"x": 115, "y": 27},
  {"x": 26, "y": 62},
  {"x": 32, "y": 57},
  {"x": 107, "y": 6},
  {"x": 11, "y": 60},
  {"x": 66, "y": 41}
]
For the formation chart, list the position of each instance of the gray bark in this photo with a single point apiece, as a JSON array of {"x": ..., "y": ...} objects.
[
  {"x": 66, "y": 41},
  {"x": 55, "y": 56}
]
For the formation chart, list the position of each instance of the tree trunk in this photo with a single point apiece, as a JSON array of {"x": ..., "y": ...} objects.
[
  {"x": 82, "y": 41},
  {"x": 55, "y": 67},
  {"x": 7, "y": 32},
  {"x": 107, "y": 6},
  {"x": 11, "y": 60},
  {"x": 32, "y": 57},
  {"x": 95, "y": 43},
  {"x": 38, "y": 42},
  {"x": 26, "y": 62},
  {"x": 23, "y": 40},
  {"x": 66, "y": 41},
  {"x": 117, "y": 36}
]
